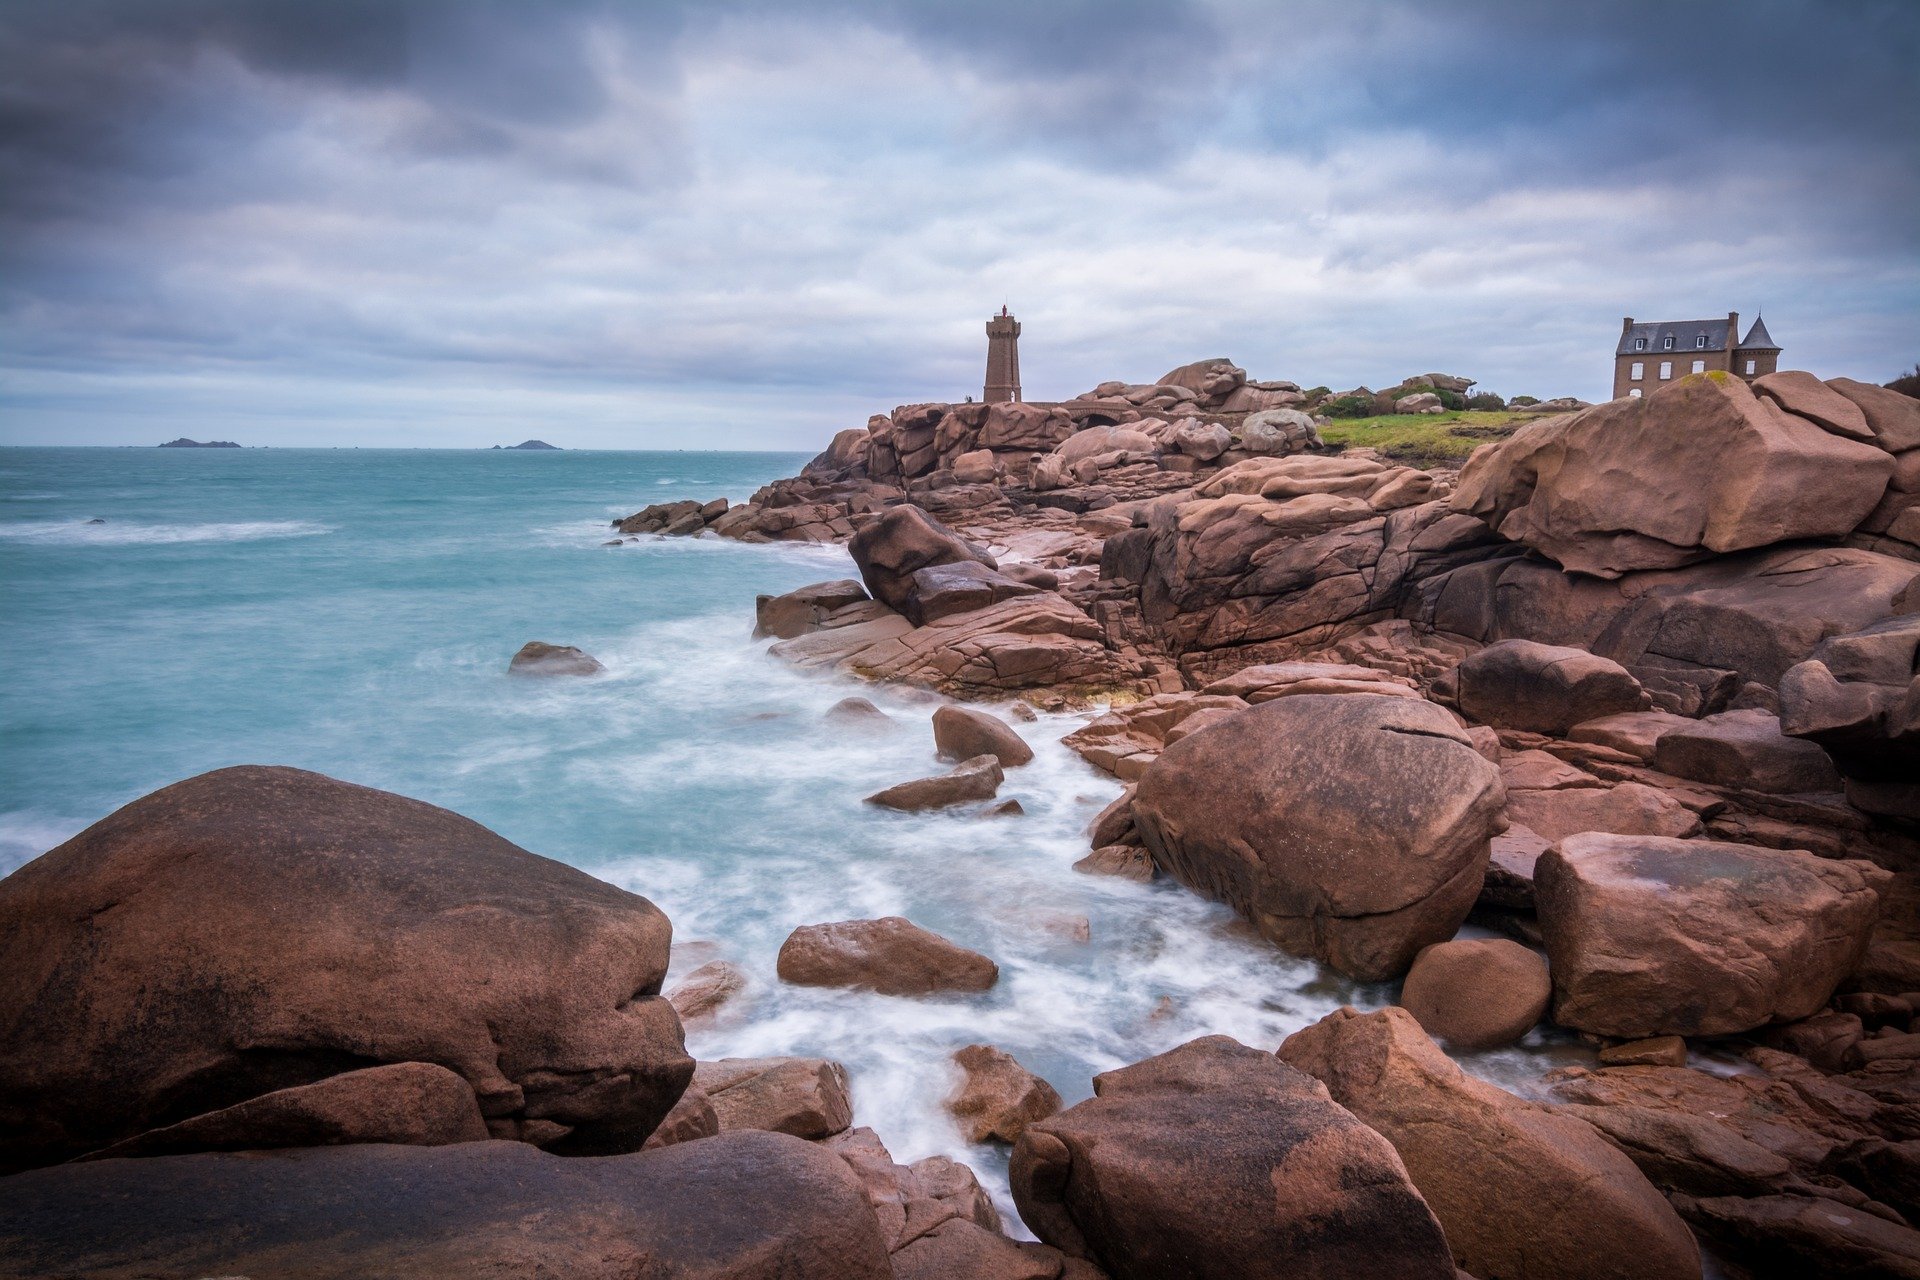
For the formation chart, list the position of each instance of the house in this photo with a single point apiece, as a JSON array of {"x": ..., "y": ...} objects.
[{"x": 1652, "y": 354}]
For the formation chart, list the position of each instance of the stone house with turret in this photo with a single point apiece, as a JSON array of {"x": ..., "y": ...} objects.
[{"x": 1652, "y": 354}]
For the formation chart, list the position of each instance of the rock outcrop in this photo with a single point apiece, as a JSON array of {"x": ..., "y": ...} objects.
[
  {"x": 257, "y": 929},
  {"x": 1522, "y": 1191},
  {"x": 1698, "y": 468},
  {"x": 1216, "y": 1159},
  {"x": 1353, "y": 828}
]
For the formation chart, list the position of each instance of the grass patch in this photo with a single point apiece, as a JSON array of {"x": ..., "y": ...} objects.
[{"x": 1424, "y": 437}]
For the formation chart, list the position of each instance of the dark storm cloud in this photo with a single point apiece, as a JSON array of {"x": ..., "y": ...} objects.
[{"x": 333, "y": 207}]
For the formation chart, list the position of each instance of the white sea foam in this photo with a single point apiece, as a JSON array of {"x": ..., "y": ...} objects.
[
  {"x": 121, "y": 533},
  {"x": 25, "y": 834}
]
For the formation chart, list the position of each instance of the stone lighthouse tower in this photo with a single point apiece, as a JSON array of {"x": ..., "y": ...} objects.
[{"x": 1003, "y": 359}]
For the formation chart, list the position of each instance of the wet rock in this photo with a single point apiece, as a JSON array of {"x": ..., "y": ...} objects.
[
  {"x": 1655, "y": 1051},
  {"x": 998, "y": 1098},
  {"x": 976, "y": 779},
  {"x": 1477, "y": 993},
  {"x": 1744, "y": 749},
  {"x": 538, "y": 658},
  {"x": 1125, "y": 861},
  {"x": 1521, "y": 1191},
  {"x": 891, "y": 956},
  {"x": 1216, "y": 1159},
  {"x": 704, "y": 990},
  {"x": 900, "y": 541},
  {"x": 537, "y": 983},
  {"x": 803, "y": 610},
  {"x": 806, "y": 1097},
  {"x": 962, "y": 733},
  {"x": 1698, "y": 468},
  {"x": 741, "y": 1206},
  {"x": 409, "y": 1102},
  {"x": 1353, "y": 828},
  {"x": 1509, "y": 881},
  {"x": 1543, "y": 688},
  {"x": 1005, "y": 809},
  {"x": 1652, "y": 936}
]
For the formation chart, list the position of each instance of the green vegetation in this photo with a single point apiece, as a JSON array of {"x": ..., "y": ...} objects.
[{"x": 1423, "y": 438}]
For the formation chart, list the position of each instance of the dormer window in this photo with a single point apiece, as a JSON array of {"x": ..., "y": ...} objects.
[
  {"x": 1700, "y": 341},
  {"x": 1639, "y": 344},
  {"x": 1669, "y": 343}
]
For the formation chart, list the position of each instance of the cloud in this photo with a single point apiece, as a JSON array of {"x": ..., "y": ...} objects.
[{"x": 746, "y": 223}]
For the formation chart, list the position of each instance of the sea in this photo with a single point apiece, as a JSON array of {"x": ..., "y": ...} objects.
[{"x": 164, "y": 612}]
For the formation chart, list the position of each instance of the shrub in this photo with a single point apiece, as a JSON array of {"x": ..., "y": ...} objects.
[
  {"x": 1488, "y": 401},
  {"x": 1348, "y": 407},
  {"x": 1520, "y": 400},
  {"x": 1907, "y": 384},
  {"x": 1317, "y": 393},
  {"x": 1450, "y": 399}
]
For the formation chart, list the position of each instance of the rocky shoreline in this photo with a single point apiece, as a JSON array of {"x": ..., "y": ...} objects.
[{"x": 1632, "y": 699}]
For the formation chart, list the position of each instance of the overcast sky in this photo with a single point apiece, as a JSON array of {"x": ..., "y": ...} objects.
[{"x": 745, "y": 225}]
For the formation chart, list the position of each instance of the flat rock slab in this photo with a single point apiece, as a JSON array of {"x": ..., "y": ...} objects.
[
  {"x": 741, "y": 1206},
  {"x": 967, "y": 782},
  {"x": 1745, "y": 749},
  {"x": 1543, "y": 688}
]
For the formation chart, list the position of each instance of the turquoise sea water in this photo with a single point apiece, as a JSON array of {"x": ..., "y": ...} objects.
[{"x": 353, "y": 612}]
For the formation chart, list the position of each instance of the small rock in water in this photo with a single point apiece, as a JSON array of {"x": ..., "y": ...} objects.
[
  {"x": 998, "y": 1098},
  {"x": 96, "y": 520},
  {"x": 538, "y": 658},
  {"x": 858, "y": 713},
  {"x": 961, "y": 733},
  {"x": 975, "y": 779},
  {"x": 1023, "y": 711},
  {"x": 892, "y": 956},
  {"x": 614, "y": 542},
  {"x": 1008, "y": 808},
  {"x": 706, "y": 989},
  {"x": 1128, "y": 861}
]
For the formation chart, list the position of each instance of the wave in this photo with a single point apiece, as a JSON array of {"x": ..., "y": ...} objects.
[{"x": 113, "y": 533}]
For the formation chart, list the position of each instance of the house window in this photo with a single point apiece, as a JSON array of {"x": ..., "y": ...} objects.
[
  {"x": 1749, "y": 368},
  {"x": 1666, "y": 370},
  {"x": 1638, "y": 372},
  {"x": 1699, "y": 366},
  {"x": 1639, "y": 344},
  {"x": 1669, "y": 342},
  {"x": 1700, "y": 341},
  {"x": 1635, "y": 393}
]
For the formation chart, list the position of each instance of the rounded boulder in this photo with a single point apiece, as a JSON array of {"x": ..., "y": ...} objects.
[{"x": 1477, "y": 993}]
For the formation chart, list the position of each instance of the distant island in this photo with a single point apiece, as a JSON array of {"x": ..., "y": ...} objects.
[
  {"x": 529, "y": 444},
  {"x": 184, "y": 443}
]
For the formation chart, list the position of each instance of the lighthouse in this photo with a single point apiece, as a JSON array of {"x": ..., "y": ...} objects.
[{"x": 1003, "y": 359}]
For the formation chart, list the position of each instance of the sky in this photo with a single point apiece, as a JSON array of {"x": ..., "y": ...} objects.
[{"x": 746, "y": 224}]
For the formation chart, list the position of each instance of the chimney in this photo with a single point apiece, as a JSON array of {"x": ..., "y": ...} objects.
[
  {"x": 1625, "y": 325},
  {"x": 1733, "y": 329}
]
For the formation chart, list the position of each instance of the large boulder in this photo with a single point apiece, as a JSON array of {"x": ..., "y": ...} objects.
[
  {"x": 1477, "y": 993},
  {"x": 1524, "y": 1193},
  {"x": 1217, "y": 1160},
  {"x": 891, "y": 955},
  {"x": 1353, "y": 828},
  {"x": 741, "y": 1206},
  {"x": 900, "y": 540},
  {"x": 1698, "y": 468},
  {"x": 1543, "y": 688},
  {"x": 1654, "y": 936},
  {"x": 974, "y": 779},
  {"x": 256, "y": 929},
  {"x": 1211, "y": 381},
  {"x": 1858, "y": 696},
  {"x": 1277, "y": 433}
]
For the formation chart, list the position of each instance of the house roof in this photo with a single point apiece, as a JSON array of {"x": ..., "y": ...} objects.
[
  {"x": 1758, "y": 339},
  {"x": 1685, "y": 335}
]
